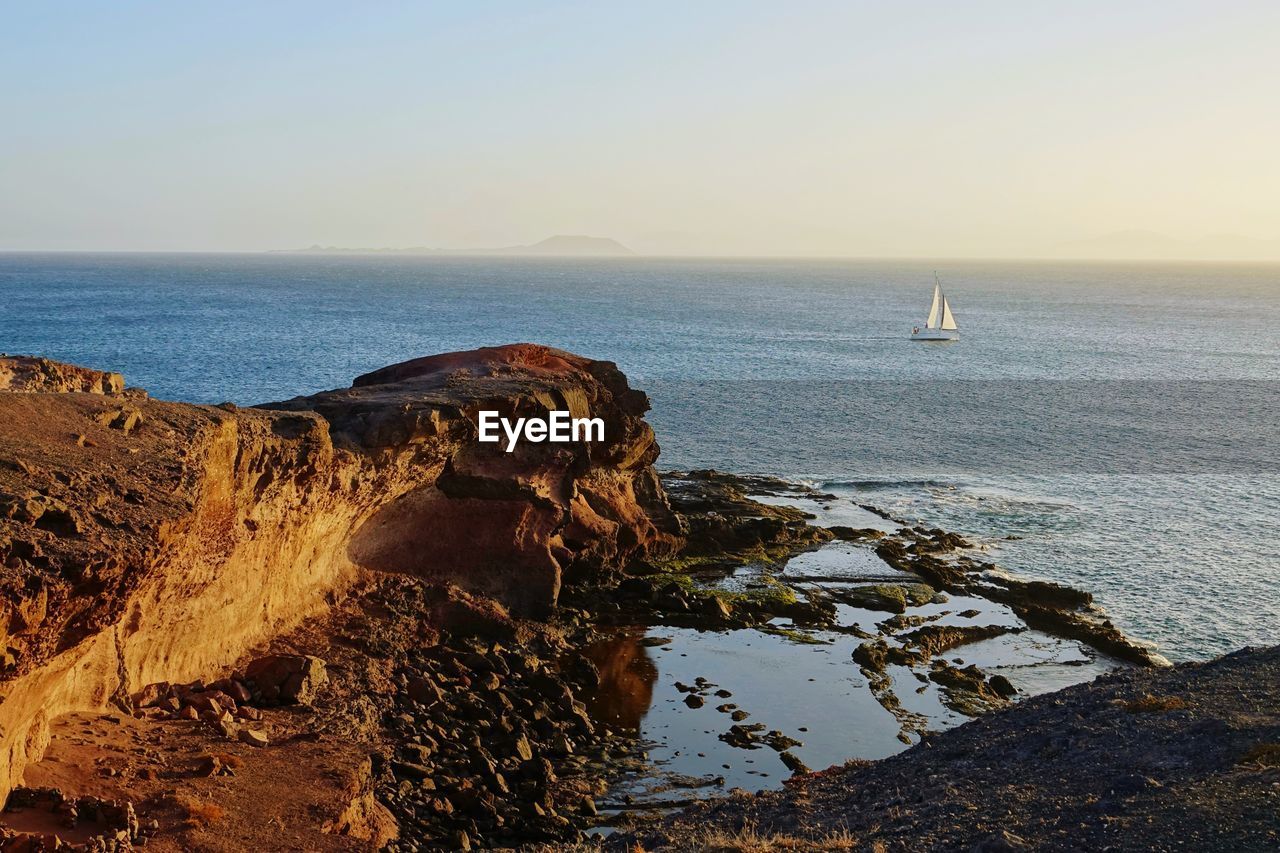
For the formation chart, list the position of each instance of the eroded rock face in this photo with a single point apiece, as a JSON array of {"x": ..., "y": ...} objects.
[
  {"x": 510, "y": 525},
  {"x": 144, "y": 541},
  {"x": 31, "y": 374}
]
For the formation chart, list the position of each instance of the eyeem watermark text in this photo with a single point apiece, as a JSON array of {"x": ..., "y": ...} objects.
[{"x": 558, "y": 426}]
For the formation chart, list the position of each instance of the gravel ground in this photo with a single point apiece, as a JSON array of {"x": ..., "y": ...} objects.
[{"x": 1175, "y": 759}]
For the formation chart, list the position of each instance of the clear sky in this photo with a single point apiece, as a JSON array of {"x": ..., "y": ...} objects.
[{"x": 755, "y": 128}]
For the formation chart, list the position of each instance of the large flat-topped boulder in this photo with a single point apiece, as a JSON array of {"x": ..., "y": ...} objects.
[
  {"x": 405, "y": 403},
  {"x": 509, "y": 524},
  {"x": 510, "y": 360},
  {"x": 32, "y": 374}
]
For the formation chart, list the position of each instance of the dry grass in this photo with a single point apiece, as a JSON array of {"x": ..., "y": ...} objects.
[
  {"x": 1263, "y": 755},
  {"x": 199, "y": 813},
  {"x": 750, "y": 840},
  {"x": 1148, "y": 704},
  {"x": 746, "y": 840}
]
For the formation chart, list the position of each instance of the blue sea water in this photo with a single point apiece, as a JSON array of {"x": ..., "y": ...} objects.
[{"x": 1119, "y": 420}]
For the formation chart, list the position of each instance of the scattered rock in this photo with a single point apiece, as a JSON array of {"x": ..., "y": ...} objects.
[
  {"x": 410, "y": 770},
  {"x": 424, "y": 691},
  {"x": 891, "y": 597},
  {"x": 287, "y": 678},
  {"x": 715, "y": 607},
  {"x": 253, "y": 737},
  {"x": 793, "y": 762},
  {"x": 1000, "y": 842},
  {"x": 152, "y": 695},
  {"x": 1002, "y": 685}
]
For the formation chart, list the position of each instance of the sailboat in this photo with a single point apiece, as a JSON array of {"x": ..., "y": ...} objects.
[{"x": 941, "y": 323}]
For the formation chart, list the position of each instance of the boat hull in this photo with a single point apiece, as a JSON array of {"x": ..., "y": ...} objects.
[{"x": 936, "y": 335}]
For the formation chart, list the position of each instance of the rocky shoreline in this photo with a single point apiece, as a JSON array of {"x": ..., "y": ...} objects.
[
  {"x": 1144, "y": 759},
  {"x": 338, "y": 622}
]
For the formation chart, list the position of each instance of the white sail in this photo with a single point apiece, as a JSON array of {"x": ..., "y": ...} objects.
[
  {"x": 932, "y": 322},
  {"x": 948, "y": 321},
  {"x": 941, "y": 325}
]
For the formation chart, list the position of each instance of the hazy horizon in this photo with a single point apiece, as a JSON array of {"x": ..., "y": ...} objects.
[
  {"x": 925, "y": 261},
  {"x": 989, "y": 131}
]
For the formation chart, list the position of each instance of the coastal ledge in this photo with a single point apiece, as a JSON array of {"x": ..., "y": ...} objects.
[
  {"x": 1141, "y": 759},
  {"x": 145, "y": 541},
  {"x": 351, "y": 578}
]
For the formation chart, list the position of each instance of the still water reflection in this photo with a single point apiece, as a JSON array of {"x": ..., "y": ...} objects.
[{"x": 627, "y": 676}]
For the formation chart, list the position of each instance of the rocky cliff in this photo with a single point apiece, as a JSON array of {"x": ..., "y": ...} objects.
[{"x": 144, "y": 541}]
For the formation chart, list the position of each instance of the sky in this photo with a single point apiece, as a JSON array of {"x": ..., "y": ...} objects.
[{"x": 916, "y": 129}]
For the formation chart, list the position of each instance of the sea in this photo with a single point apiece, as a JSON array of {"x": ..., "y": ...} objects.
[{"x": 1112, "y": 426}]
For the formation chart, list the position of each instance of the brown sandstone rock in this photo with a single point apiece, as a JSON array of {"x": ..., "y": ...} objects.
[
  {"x": 424, "y": 691},
  {"x": 175, "y": 538},
  {"x": 152, "y": 694},
  {"x": 253, "y": 737},
  {"x": 512, "y": 525},
  {"x": 31, "y": 374},
  {"x": 238, "y": 692},
  {"x": 287, "y": 678}
]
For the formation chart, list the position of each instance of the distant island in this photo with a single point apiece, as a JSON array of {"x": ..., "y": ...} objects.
[
  {"x": 561, "y": 245},
  {"x": 1138, "y": 245}
]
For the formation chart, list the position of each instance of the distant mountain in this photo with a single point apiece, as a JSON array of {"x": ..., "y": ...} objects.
[
  {"x": 565, "y": 245},
  {"x": 561, "y": 245},
  {"x": 1151, "y": 245}
]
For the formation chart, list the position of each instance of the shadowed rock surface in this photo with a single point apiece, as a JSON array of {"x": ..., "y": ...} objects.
[{"x": 1143, "y": 759}]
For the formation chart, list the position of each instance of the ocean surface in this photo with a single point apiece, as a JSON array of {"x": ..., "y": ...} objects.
[{"x": 1111, "y": 426}]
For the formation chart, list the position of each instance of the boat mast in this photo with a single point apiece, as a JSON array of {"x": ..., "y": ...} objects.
[
  {"x": 931, "y": 322},
  {"x": 946, "y": 321}
]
